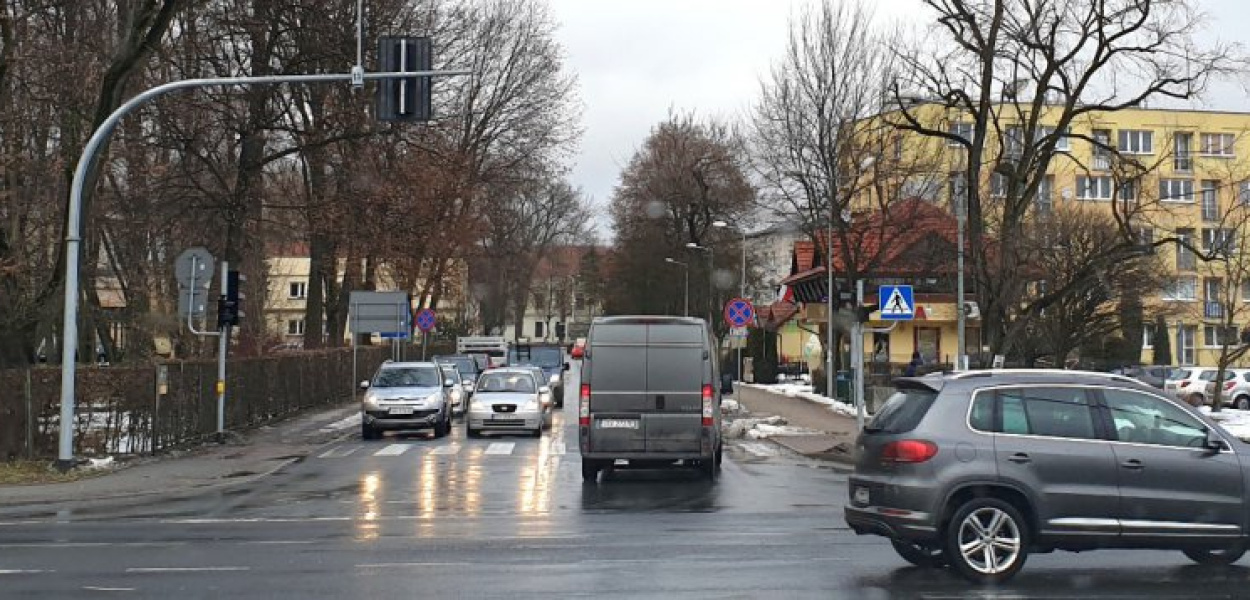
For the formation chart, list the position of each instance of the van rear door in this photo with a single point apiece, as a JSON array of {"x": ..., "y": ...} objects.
[
  {"x": 673, "y": 413},
  {"x": 618, "y": 376}
]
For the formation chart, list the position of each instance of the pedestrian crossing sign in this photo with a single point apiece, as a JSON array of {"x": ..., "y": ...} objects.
[{"x": 897, "y": 302}]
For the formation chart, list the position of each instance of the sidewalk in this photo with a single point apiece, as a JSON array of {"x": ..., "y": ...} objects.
[
  {"x": 835, "y": 440},
  {"x": 243, "y": 458}
]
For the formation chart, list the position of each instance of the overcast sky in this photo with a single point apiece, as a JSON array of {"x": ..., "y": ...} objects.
[{"x": 636, "y": 59}]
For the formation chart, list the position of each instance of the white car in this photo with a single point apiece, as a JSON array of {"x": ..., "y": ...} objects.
[
  {"x": 1236, "y": 388},
  {"x": 1189, "y": 384},
  {"x": 509, "y": 399}
]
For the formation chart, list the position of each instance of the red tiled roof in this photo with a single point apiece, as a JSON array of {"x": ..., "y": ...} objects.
[{"x": 777, "y": 314}]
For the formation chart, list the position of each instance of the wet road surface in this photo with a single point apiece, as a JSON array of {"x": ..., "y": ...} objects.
[{"x": 410, "y": 516}]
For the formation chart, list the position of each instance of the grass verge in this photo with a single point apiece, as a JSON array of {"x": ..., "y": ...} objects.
[{"x": 27, "y": 472}]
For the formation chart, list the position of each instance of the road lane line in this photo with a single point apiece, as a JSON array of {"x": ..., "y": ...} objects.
[
  {"x": 393, "y": 450},
  {"x": 25, "y": 571},
  {"x": 184, "y": 569},
  {"x": 278, "y": 542},
  {"x": 559, "y": 448},
  {"x": 446, "y": 450},
  {"x": 96, "y": 588},
  {"x": 500, "y": 448},
  {"x": 411, "y": 564}
]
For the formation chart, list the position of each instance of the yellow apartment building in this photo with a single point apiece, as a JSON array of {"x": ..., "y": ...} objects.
[{"x": 1191, "y": 180}]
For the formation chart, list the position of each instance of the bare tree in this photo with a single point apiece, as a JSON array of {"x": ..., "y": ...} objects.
[{"x": 1022, "y": 75}]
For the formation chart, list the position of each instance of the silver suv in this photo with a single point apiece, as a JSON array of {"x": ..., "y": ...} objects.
[
  {"x": 406, "y": 395},
  {"x": 979, "y": 469}
]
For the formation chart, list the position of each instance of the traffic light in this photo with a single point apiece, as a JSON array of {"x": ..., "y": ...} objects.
[
  {"x": 230, "y": 305},
  {"x": 408, "y": 99}
]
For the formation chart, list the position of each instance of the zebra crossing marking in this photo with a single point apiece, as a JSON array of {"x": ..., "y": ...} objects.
[
  {"x": 393, "y": 450},
  {"x": 500, "y": 448}
]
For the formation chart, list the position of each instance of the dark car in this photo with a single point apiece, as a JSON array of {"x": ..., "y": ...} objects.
[
  {"x": 1150, "y": 375},
  {"x": 979, "y": 469},
  {"x": 548, "y": 358}
]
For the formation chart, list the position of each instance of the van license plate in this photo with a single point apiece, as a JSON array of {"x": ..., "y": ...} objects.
[
  {"x": 618, "y": 424},
  {"x": 861, "y": 495},
  {"x": 401, "y": 410}
]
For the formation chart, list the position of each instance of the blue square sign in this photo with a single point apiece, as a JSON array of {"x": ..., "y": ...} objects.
[{"x": 897, "y": 302}]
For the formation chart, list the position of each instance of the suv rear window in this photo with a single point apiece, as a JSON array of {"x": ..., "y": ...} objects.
[{"x": 902, "y": 412}]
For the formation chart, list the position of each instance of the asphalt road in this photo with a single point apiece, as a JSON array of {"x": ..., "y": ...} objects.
[{"x": 415, "y": 517}]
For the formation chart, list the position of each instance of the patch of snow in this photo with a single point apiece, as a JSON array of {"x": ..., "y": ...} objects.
[
  {"x": 1235, "y": 422},
  {"x": 99, "y": 464},
  {"x": 740, "y": 428},
  {"x": 763, "y": 431},
  {"x": 730, "y": 406},
  {"x": 350, "y": 421}
]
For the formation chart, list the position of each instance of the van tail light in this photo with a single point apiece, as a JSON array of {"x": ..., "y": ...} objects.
[
  {"x": 908, "y": 451},
  {"x": 1228, "y": 386},
  {"x": 708, "y": 397},
  {"x": 583, "y": 406},
  {"x": 1183, "y": 384}
]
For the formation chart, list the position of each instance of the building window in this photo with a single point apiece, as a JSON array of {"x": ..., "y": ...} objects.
[
  {"x": 298, "y": 290},
  {"x": 1215, "y": 336},
  {"x": 1062, "y": 143},
  {"x": 1102, "y": 149},
  {"x": 921, "y": 187},
  {"x": 1044, "y": 189},
  {"x": 998, "y": 185},
  {"x": 1176, "y": 190},
  {"x": 1093, "y": 188},
  {"x": 962, "y": 131},
  {"x": 538, "y": 329},
  {"x": 1145, "y": 236},
  {"x": 1187, "y": 334},
  {"x": 295, "y": 327},
  {"x": 1210, "y": 204},
  {"x": 1136, "y": 141},
  {"x": 1218, "y": 241},
  {"x": 1181, "y": 289},
  {"x": 958, "y": 189},
  {"x": 1127, "y": 190},
  {"x": 1148, "y": 336},
  {"x": 1216, "y": 144},
  {"x": 1245, "y": 291},
  {"x": 1185, "y": 258},
  {"x": 1013, "y": 142},
  {"x": 1182, "y": 155}
]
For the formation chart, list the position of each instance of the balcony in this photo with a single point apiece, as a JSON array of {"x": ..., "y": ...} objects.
[{"x": 1212, "y": 310}]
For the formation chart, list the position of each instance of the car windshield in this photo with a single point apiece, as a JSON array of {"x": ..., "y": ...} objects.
[
  {"x": 506, "y": 382},
  {"x": 546, "y": 357},
  {"x": 407, "y": 377},
  {"x": 1178, "y": 374}
]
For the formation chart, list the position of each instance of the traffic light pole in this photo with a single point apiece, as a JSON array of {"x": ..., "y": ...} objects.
[
  {"x": 73, "y": 229},
  {"x": 223, "y": 346}
]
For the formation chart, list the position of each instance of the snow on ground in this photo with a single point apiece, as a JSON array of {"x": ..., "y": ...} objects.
[
  {"x": 805, "y": 392},
  {"x": 1236, "y": 422},
  {"x": 763, "y": 431},
  {"x": 728, "y": 406},
  {"x": 348, "y": 422}
]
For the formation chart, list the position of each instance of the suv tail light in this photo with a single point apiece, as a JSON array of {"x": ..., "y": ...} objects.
[
  {"x": 1229, "y": 385},
  {"x": 708, "y": 397},
  {"x": 908, "y": 451},
  {"x": 583, "y": 406},
  {"x": 1183, "y": 383}
]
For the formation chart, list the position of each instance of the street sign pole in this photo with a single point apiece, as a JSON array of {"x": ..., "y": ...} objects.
[
  {"x": 857, "y": 345},
  {"x": 223, "y": 341},
  {"x": 425, "y": 343}
]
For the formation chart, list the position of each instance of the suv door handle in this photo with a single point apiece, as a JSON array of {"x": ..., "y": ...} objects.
[
  {"x": 1020, "y": 458},
  {"x": 1133, "y": 464},
  {"x": 659, "y": 402}
]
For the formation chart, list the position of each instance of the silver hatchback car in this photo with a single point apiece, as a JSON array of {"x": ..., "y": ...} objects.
[
  {"x": 976, "y": 470},
  {"x": 406, "y": 395},
  {"x": 509, "y": 399}
]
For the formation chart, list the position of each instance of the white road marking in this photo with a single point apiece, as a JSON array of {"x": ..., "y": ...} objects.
[
  {"x": 91, "y": 544},
  {"x": 24, "y": 571},
  {"x": 345, "y": 423},
  {"x": 184, "y": 569},
  {"x": 412, "y": 564},
  {"x": 339, "y": 452},
  {"x": 95, "y": 588},
  {"x": 559, "y": 448},
  {"x": 278, "y": 542},
  {"x": 393, "y": 450},
  {"x": 447, "y": 450},
  {"x": 500, "y": 448}
]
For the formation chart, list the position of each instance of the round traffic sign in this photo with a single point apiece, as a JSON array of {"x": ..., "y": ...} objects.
[
  {"x": 739, "y": 313},
  {"x": 426, "y": 320}
]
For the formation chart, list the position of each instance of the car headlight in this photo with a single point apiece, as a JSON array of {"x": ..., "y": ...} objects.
[
  {"x": 370, "y": 400},
  {"x": 555, "y": 379}
]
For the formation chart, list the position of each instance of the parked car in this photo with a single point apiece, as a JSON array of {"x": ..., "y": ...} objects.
[
  {"x": 508, "y": 399},
  {"x": 1189, "y": 384},
  {"x": 406, "y": 396},
  {"x": 1236, "y": 391},
  {"x": 457, "y": 395},
  {"x": 649, "y": 395},
  {"x": 578, "y": 349},
  {"x": 979, "y": 469},
  {"x": 1152, "y": 375},
  {"x": 548, "y": 358}
]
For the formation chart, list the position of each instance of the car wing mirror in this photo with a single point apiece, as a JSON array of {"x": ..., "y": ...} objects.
[
  {"x": 364, "y": 385},
  {"x": 1213, "y": 443},
  {"x": 544, "y": 390},
  {"x": 449, "y": 382}
]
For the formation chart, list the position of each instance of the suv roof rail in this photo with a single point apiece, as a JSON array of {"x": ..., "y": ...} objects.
[{"x": 991, "y": 372}]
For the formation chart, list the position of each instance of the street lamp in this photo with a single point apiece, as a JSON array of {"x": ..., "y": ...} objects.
[
  {"x": 742, "y": 284},
  {"x": 686, "y": 268},
  {"x": 710, "y": 266}
]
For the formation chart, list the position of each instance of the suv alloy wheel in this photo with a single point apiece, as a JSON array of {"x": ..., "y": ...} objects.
[{"x": 987, "y": 540}]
